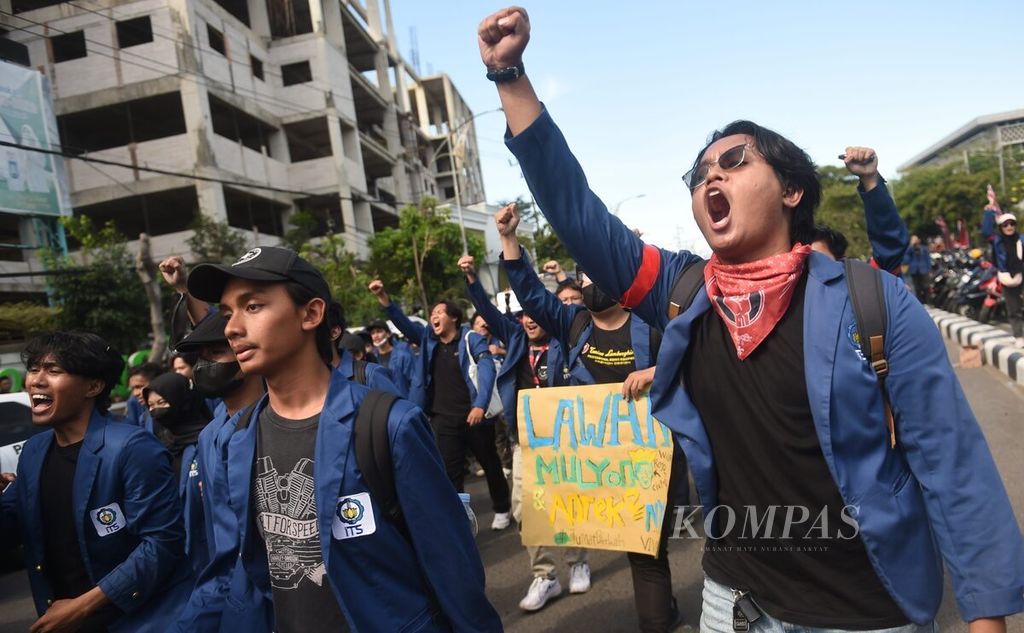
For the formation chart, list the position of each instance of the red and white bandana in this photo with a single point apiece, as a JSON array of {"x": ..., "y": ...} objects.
[{"x": 752, "y": 297}]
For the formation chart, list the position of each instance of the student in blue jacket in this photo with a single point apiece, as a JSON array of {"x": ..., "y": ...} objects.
[
  {"x": 533, "y": 360},
  {"x": 217, "y": 374},
  {"x": 393, "y": 354},
  {"x": 94, "y": 501},
  {"x": 310, "y": 533},
  {"x": 764, "y": 384},
  {"x": 179, "y": 415},
  {"x": 919, "y": 267},
  {"x": 615, "y": 346},
  {"x": 455, "y": 404}
]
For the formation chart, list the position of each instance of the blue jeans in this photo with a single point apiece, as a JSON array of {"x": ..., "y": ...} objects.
[{"x": 716, "y": 617}]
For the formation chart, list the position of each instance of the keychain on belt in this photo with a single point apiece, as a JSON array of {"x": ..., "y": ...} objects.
[{"x": 744, "y": 611}]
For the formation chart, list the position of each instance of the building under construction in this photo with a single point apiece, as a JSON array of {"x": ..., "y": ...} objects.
[{"x": 246, "y": 111}]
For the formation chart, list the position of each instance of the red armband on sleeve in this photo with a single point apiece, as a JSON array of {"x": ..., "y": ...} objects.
[{"x": 646, "y": 275}]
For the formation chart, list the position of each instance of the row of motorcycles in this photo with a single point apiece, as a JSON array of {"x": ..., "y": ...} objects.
[{"x": 965, "y": 282}]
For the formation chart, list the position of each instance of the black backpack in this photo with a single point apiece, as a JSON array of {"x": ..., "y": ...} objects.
[
  {"x": 359, "y": 371},
  {"x": 869, "y": 312},
  {"x": 373, "y": 451}
]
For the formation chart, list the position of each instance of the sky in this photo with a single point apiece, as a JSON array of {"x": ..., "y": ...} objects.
[{"x": 637, "y": 87}]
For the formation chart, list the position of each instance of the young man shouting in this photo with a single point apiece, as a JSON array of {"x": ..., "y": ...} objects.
[
  {"x": 320, "y": 546},
  {"x": 765, "y": 384},
  {"x": 94, "y": 501}
]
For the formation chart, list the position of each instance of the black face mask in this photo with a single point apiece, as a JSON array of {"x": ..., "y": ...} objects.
[
  {"x": 596, "y": 300},
  {"x": 215, "y": 380},
  {"x": 167, "y": 417}
]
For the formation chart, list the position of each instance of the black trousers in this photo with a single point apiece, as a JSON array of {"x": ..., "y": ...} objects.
[
  {"x": 921, "y": 283},
  {"x": 652, "y": 577},
  {"x": 454, "y": 436}
]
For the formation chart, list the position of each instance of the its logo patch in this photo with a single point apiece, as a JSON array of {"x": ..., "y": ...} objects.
[
  {"x": 353, "y": 517},
  {"x": 108, "y": 519},
  {"x": 853, "y": 336}
]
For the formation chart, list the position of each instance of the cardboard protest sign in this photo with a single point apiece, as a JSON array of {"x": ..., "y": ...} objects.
[{"x": 595, "y": 469}]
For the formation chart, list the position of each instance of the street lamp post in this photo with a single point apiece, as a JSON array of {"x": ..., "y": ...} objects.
[
  {"x": 615, "y": 209},
  {"x": 452, "y": 133}
]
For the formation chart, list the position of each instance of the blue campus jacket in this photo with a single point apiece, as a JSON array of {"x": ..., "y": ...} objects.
[
  {"x": 190, "y": 493},
  {"x": 380, "y": 579},
  {"x": 556, "y": 318},
  {"x": 1000, "y": 250},
  {"x": 424, "y": 336},
  {"x": 510, "y": 332},
  {"x": 937, "y": 496},
  {"x": 886, "y": 230},
  {"x": 402, "y": 366},
  {"x": 377, "y": 376},
  {"x": 127, "y": 517},
  {"x": 919, "y": 260}
]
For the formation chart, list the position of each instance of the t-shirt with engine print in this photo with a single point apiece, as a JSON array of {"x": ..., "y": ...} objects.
[
  {"x": 286, "y": 519},
  {"x": 608, "y": 354}
]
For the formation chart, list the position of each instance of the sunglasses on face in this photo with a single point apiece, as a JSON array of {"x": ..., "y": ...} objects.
[
  {"x": 727, "y": 160},
  {"x": 1009, "y": 223}
]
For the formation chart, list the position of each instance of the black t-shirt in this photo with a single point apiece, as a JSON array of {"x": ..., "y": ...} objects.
[
  {"x": 766, "y": 452},
  {"x": 608, "y": 354},
  {"x": 285, "y": 512},
  {"x": 385, "y": 359},
  {"x": 63, "y": 565},
  {"x": 449, "y": 394},
  {"x": 532, "y": 371}
]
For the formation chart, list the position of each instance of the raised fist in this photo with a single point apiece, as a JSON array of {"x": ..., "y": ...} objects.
[
  {"x": 376, "y": 287},
  {"x": 173, "y": 271},
  {"x": 861, "y": 161},
  {"x": 552, "y": 267},
  {"x": 507, "y": 220},
  {"x": 502, "y": 37},
  {"x": 467, "y": 264}
]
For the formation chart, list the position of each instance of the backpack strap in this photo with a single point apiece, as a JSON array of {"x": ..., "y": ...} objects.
[
  {"x": 655, "y": 342},
  {"x": 373, "y": 454},
  {"x": 359, "y": 371},
  {"x": 685, "y": 289},
  {"x": 245, "y": 417},
  {"x": 580, "y": 322},
  {"x": 869, "y": 311}
]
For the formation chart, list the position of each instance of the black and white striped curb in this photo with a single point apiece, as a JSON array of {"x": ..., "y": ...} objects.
[{"x": 996, "y": 345}]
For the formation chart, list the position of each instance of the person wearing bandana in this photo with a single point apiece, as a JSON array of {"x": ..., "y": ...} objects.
[{"x": 763, "y": 382}]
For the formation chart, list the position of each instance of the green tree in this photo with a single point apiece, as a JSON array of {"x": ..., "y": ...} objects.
[
  {"x": 215, "y": 242},
  {"x": 841, "y": 209},
  {"x": 545, "y": 244},
  {"x": 100, "y": 293},
  {"x": 418, "y": 260},
  {"x": 22, "y": 320},
  {"x": 346, "y": 278},
  {"x": 303, "y": 225},
  {"x": 948, "y": 191}
]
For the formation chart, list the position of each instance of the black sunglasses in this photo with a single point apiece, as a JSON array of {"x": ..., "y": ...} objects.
[{"x": 729, "y": 159}]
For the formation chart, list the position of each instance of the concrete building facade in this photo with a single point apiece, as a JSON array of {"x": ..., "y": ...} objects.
[{"x": 246, "y": 111}]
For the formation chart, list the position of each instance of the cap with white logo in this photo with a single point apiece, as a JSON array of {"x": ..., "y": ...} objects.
[{"x": 267, "y": 263}]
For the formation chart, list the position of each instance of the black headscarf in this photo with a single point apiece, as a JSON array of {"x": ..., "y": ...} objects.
[
  {"x": 180, "y": 425},
  {"x": 1013, "y": 263}
]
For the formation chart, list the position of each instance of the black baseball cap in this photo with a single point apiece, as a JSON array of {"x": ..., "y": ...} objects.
[
  {"x": 377, "y": 325},
  {"x": 209, "y": 331},
  {"x": 266, "y": 263}
]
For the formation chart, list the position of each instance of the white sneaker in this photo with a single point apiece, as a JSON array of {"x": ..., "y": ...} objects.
[
  {"x": 541, "y": 590},
  {"x": 579, "y": 578},
  {"x": 1019, "y": 343},
  {"x": 501, "y": 521}
]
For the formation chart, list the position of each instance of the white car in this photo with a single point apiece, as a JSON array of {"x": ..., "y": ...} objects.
[{"x": 15, "y": 427}]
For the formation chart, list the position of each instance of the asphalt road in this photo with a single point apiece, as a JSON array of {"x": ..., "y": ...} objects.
[{"x": 608, "y": 606}]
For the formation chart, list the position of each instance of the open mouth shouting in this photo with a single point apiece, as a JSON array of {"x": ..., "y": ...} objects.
[
  {"x": 435, "y": 322},
  {"x": 41, "y": 403},
  {"x": 718, "y": 207}
]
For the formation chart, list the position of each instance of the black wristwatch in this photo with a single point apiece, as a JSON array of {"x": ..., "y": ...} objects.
[{"x": 505, "y": 75}]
